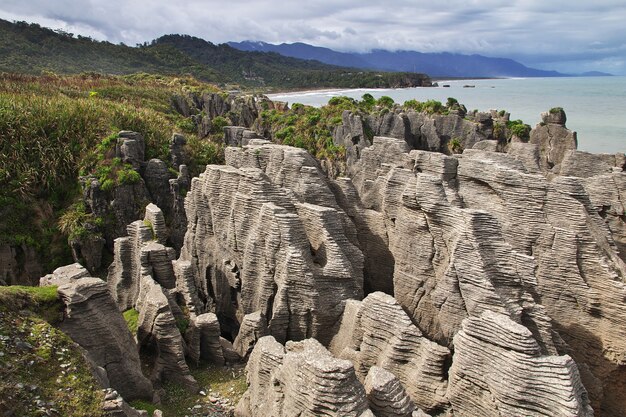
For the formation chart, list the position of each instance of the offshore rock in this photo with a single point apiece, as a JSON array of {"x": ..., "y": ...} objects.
[
  {"x": 498, "y": 370},
  {"x": 266, "y": 234},
  {"x": 93, "y": 321},
  {"x": 302, "y": 379}
]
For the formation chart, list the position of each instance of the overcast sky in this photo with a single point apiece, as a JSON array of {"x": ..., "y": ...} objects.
[{"x": 568, "y": 36}]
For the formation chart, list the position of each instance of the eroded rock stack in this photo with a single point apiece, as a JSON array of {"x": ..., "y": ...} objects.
[
  {"x": 377, "y": 332},
  {"x": 486, "y": 232},
  {"x": 300, "y": 379},
  {"x": 498, "y": 370},
  {"x": 493, "y": 282},
  {"x": 266, "y": 236},
  {"x": 93, "y": 321}
]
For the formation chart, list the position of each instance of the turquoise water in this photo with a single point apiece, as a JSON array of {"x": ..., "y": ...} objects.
[{"x": 595, "y": 106}]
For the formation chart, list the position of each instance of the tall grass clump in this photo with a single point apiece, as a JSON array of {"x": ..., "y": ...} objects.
[{"x": 55, "y": 128}]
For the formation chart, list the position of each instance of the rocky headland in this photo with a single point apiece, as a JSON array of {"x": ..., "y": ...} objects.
[{"x": 452, "y": 263}]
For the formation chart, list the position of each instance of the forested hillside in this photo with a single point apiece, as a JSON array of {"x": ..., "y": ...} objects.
[{"x": 32, "y": 49}]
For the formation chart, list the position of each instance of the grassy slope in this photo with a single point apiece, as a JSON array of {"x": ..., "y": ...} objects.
[
  {"x": 53, "y": 129},
  {"x": 40, "y": 367}
]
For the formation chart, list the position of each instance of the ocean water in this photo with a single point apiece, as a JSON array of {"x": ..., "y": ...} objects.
[{"x": 595, "y": 106}]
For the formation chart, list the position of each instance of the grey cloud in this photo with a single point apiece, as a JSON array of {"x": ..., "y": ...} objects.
[{"x": 532, "y": 31}]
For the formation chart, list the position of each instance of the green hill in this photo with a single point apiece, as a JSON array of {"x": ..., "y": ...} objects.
[{"x": 32, "y": 49}]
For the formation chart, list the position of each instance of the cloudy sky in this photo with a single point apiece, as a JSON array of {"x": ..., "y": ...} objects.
[{"x": 565, "y": 35}]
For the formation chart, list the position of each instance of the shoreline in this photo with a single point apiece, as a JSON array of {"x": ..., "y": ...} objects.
[{"x": 330, "y": 89}]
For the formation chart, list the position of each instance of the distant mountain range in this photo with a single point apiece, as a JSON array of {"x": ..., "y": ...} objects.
[
  {"x": 32, "y": 49},
  {"x": 436, "y": 65}
]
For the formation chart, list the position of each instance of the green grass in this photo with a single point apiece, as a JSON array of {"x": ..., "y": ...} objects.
[
  {"x": 55, "y": 128},
  {"x": 52, "y": 369},
  {"x": 227, "y": 383},
  {"x": 43, "y": 301},
  {"x": 132, "y": 320}
]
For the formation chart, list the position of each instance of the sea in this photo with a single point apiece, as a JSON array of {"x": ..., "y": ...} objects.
[{"x": 595, "y": 106}]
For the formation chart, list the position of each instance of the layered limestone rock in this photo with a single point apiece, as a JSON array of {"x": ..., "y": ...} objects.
[
  {"x": 64, "y": 275},
  {"x": 498, "y": 370},
  {"x": 204, "y": 340},
  {"x": 253, "y": 327},
  {"x": 419, "y": 130},
  {"x": 267, "y": 235},
  {"x": 140, "y": 254},
  {"x": 385, "y": 394},
  {"x": 93, "y": 321},
  {"x": 487, "y": 232},
  {"x": 378, "y": 333},
  {"x": 553, "y": 138},
  {"x": 145, "y": 276},
  {"x": 570, "y": 255},
  {"x": 157, "y": 328},
  {"x": 239, "y": 136},
  {"x": 300, "y": 379},
  {"x": 19, "y": 265}
]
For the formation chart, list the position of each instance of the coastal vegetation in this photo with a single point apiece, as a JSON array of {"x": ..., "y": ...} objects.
[{"x": 55, "y": 128}]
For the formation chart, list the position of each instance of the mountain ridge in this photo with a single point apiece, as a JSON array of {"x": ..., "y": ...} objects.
[
  {"x": 436, "y": 64},
  {"x": 33, "y": 49}
]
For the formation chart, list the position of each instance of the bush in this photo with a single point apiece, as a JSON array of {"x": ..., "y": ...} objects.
[
  {"x": 75, "y": 222},
  {"x": 452, "y": 102},
  {"x": 386, "y": 102},
  {"x": 455, "y": 146},
  {"x": 218, "y": 123},
  {"x": 128, "y": 176}
]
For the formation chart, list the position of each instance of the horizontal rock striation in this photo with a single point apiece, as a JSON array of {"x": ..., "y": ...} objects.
[
  {"x": 498, "y": 370},
  {"x": 302, "y": 379},
  {"x": 378, "y": 333},
  {"x": 93, "y": 321},
  {"x": 267, "y": 235},
  {"x": 386, "y": 396},
  {"x": 157, "y": 328},
  {"x": 487, "y": 231}
]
